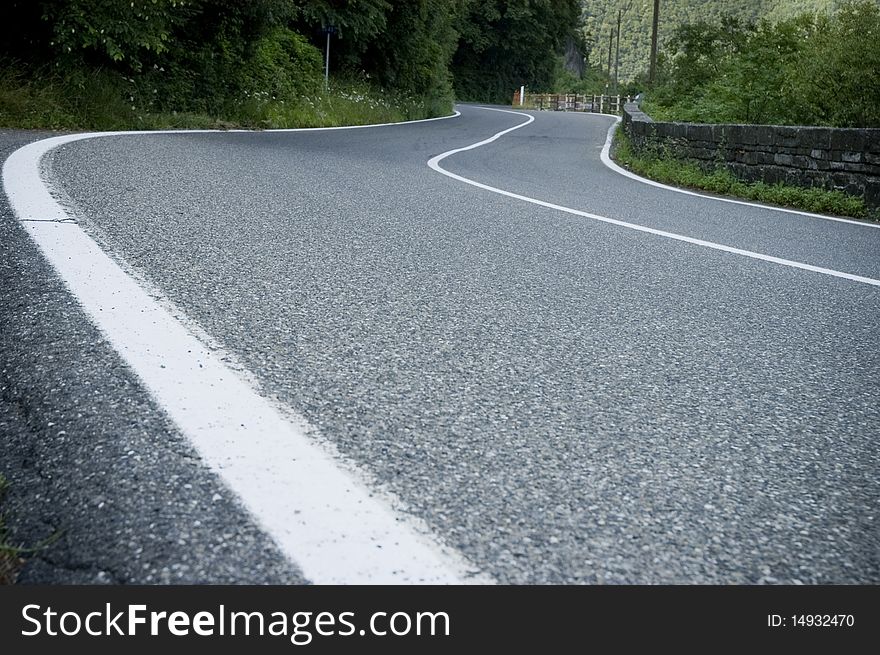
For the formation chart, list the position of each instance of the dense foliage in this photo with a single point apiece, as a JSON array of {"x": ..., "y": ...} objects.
[
  {"x": 600, "y": 21},
  {"x": 261, "y": 61},
  {"x": 508, "y": 43},
  {"x": 813, "y": 69}
]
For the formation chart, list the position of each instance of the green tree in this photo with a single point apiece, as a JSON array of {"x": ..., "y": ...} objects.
[
  {"x": 507, "y": 43},
  {"x": 810, "y": 69},
  {"x": 115, "y": 30},
  {"x": 416, "y": 47},
  {"x": 835, "y": 79},
  {"x": 356, "y": 21}
]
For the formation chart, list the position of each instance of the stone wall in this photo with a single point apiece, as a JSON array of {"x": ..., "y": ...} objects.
[{"x": 847, "y": 159}]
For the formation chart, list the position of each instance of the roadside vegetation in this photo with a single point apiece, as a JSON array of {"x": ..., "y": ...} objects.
[
  {"x": 102, "y": 100},
  {"x": 143, "y": 64},
  {"x": 600, "y": 21},
  {"x": 10, "y": 557},
  {"x": 665, "y": 168},
  {"x": 812, "y": 69}
]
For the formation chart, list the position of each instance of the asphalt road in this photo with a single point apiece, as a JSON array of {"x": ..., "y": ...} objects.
[
  {"x": 561, "y": 400},
  {"x": 94, "y": 467}
]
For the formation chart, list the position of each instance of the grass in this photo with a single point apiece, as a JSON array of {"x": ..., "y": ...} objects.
[
  {"x": 659, "y": 112},
  {"x": 670, "y": 170},
  {"x": 344, "y": 103},
  {"x": 101, "y": 100},
  {"x": 10, "y": 557}
]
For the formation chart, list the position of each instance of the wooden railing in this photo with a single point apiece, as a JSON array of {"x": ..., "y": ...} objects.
[{"x": 601, "y": 104}]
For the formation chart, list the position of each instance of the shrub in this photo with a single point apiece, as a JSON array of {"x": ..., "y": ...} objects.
[
  {"x": 809, "y": 70},
  {"x": 282, "y": 65}
]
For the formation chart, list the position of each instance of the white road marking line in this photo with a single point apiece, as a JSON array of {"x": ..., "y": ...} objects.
[
  {"x": 434, "y": 163},
  {"x": 320, "y": 513},
  {"x": 605, "y": 156}
]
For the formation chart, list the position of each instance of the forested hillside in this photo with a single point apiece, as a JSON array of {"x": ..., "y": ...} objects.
[
  {"x": 153, "y": 63},
  {"x": 812, "y": 69},
  {"x": 600, "y": 19}
]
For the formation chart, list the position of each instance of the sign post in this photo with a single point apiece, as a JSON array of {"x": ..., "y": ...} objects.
[{"x": 328, "y": 30}]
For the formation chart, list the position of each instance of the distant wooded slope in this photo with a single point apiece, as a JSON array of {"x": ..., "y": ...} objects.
[{"x": 600, "y": 17}]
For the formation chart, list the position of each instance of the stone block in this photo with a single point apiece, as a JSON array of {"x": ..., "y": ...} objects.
[
  {"x": 679, "y": 130},
  {"x": 812, "y": 179},
  {"x": 814, "y": 137},
  {"x": 786, "y": 136},
  {"x": 732, "y": 135},
  {"x": 851, "y": 139},
  {"x": 747, "y": 135},
  {"x": 751, "y": 173},
  {"x": 783, "y": 159},
  {"x": 701, "y": 153},
  {"x": 844, "y": 181},
  {"x": 765, "y": 135},
  {"x": 772, "y": 174},
  {"x": 697, "y": 132}
]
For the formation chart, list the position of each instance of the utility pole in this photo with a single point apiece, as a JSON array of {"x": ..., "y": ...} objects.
[
  {"x": 610, "y": 46},
  {"x": 617, "y": 54},
  {"x": 652, "y": 71}
]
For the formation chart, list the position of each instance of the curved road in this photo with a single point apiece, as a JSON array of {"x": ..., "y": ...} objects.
[{"x": 559, "y": 399}]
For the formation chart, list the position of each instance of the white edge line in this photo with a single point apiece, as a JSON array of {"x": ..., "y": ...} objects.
[
  {"x": 319, "y": 510},
  {"x": 610, "y": 163},
  {"x": 434, "y": 164}
]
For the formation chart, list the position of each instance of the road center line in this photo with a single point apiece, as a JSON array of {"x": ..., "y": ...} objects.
[
  {"x": 320, "y": 511},
  {"x": 434, "y": 163}
]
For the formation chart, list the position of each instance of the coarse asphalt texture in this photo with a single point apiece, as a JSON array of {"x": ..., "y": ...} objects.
[
  {"x": 95, "y": 469},
  {"x": 561, "y": 400}
]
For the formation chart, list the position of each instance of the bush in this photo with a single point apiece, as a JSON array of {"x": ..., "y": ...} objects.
[
  {"x": 836, "y": 77},
  {"x": 808, "y": 70},
  {"x": 282, "y": 65},
  {"x": 47, "y": 99}
]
